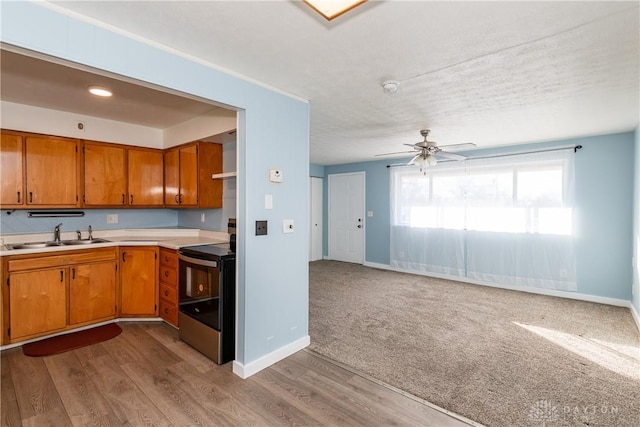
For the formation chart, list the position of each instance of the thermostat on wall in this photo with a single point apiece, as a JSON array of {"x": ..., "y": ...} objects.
[{"x": 275, "y": 175}]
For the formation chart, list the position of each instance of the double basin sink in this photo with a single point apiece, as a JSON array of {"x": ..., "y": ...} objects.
[{"x": 34, "y": 245}]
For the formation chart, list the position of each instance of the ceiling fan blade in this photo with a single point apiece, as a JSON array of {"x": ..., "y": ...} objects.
[
  {"x": 391, "y": 154},
  {"x": 463, "y": 146},
  {"x": 415, "y": 146},
  {"x": 451, "y": 156}
]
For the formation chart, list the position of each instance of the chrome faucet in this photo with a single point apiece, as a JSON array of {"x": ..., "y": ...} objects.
[
  {"x": 90, "y": 231},
  {"x": 56, "y": 233},
  {"x": 78, "y": 234}
]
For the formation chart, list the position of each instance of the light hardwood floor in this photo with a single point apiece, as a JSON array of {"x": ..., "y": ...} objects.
[{"x": 147, "y": 376}]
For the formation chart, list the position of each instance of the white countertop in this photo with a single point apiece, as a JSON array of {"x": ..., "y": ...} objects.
[{"x": 172, "y": 238}]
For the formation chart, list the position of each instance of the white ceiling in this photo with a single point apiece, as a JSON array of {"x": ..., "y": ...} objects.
[{"x": 492, "y": 73}]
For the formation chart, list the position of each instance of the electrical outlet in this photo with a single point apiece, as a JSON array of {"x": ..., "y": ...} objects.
[
  {"x": 112, "y": 219},
  {"x": 202, "y": 217}
]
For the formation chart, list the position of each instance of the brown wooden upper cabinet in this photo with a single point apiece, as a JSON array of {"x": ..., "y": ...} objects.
[
  {"x": 187, "y": 173},
  {"x": 105, "y": 174},
  {"x": 11, "y": 168},
  {"x": 52, "y": 169},
  {"x": 145, "y": 177},
  {"x": 120, "y": 175}
]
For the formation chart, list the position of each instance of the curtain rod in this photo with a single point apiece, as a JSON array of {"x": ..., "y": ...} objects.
[{"x": 575, "y": 149}]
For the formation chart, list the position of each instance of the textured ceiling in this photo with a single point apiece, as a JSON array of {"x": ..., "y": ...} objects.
[{"x": 492, "y": 73}]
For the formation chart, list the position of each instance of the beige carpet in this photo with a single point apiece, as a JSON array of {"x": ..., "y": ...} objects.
[{"x": 501, "y": 358}]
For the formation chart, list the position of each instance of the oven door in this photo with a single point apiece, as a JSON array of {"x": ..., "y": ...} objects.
[{"x": 199, "y": 288}]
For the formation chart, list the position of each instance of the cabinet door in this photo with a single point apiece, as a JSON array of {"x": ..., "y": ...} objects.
[
  {"x": 37, "y": 302},
  {"x": 145, "y": 177},
  {"x": 105, "y": 175},
  {"x": 172, "y": 177},
  {"x": 138, "y": 281},
  {"x": 52, "y": 172},
  {"x": 189, "y": 175},
  {"x": 11, "y": 184},
  {"x": 92, "y": 292}
]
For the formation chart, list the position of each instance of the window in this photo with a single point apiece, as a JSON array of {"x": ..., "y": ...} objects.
[
  {"x": 500, "y": 220},
  {"x": 525, "y": 197}
]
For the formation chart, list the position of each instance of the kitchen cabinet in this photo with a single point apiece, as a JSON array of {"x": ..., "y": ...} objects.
[
  {"x": 146, "y": 174},
  {"x": 92, "y": 292},
  {"x": 37, "y": 302},
  {"x": 138, "y": 281},
  {"x": 52, "y": 171},
  {"x": 105, "y": 174},
  {"x": 169, "y": 286},
  {"x": 122, "y": 176},
  {"x": 188, "y": 171},
  {"x": 47, "y": 293},
  {"x": 11, "y": 170}
]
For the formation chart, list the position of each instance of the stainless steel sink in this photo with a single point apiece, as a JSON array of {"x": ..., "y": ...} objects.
[
  {"x": 35, "y": 245},
  {"x": 83, "y": 241},
  {"x": 31, "y": 245}
]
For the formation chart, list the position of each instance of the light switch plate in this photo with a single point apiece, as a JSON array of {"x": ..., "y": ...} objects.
[{"x": 275, "y": 175}]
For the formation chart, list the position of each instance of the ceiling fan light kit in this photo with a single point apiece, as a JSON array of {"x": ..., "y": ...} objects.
[{"x": 427, "y": 151}]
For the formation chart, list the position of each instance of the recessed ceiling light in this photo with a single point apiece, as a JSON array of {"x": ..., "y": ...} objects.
[
  {"x": 100, "y": 91},
  {"x": 333, "y": 8}
]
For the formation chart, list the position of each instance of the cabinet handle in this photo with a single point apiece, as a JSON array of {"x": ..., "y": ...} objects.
[
  {"x": 123, "y": 198},
  {"x": 123, "y": 255},
  {"x": 18, "y": 197},
  {"x": 30, "y": 196},
  {"x": 61, "y": 275},
  {"x": 73, "y": 273},
  {"x": 131, "y": 200},
  {"x": 177, "y": 199},
  {"x": 166, "y": 293},
  {"x": 166, "y": 311},
  {"x": 166, "y": 274}
]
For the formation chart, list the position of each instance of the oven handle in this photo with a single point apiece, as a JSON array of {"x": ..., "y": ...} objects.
[{"x": 197, "y": 261}]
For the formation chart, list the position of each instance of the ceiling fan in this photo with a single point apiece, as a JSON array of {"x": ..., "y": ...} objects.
[{"x": 428, "y": 150}]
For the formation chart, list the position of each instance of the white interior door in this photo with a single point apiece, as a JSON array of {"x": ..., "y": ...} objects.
[
  {"x": 315, "y": 232},
  {"x": 346, "y": 217}
]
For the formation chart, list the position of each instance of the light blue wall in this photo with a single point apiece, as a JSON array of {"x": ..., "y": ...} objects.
[
  {"x": 17, "y": 222},
  {"x": 273, "y": 132},
  {"x": 604, "y": 209},
  {"x": 316, "y": 170},
  {"x": 636, "y": 226}
]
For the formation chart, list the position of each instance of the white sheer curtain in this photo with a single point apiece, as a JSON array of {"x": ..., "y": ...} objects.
[{"x": 504, "y": 220}]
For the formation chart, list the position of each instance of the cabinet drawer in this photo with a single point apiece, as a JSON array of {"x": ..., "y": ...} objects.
[
  {"x": 168, "y": 293},
  {"x": 168, "y": 258},
  {"x": 169, "y": 311},
  {"x": 168, "y": 275}
]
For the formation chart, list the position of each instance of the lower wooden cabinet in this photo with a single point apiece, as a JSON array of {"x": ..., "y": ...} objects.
[
  {"x": 51, "y": 293},
  {"x": 92, "y": 292},
  {"x": 138, "y": 281},
  {"x": 37, "y": 302}
]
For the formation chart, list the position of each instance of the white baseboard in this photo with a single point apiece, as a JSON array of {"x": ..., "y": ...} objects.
[
  {"x": 549, "y": 292},
  {"x": 635, "y": 314},
  {"x": 245, "y": 371}
]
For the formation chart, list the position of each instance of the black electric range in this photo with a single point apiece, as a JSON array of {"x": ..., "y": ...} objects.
[{"x": 212, "y": 251}]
